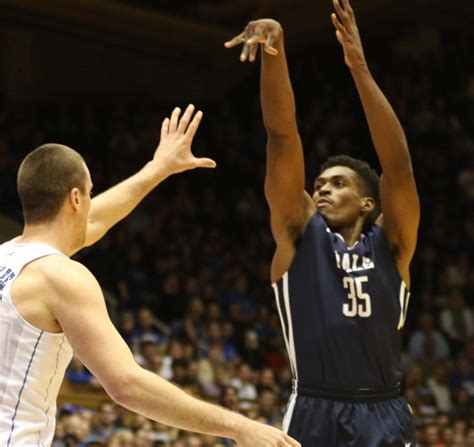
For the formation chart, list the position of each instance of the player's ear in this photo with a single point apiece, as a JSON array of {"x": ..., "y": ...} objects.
[
  {"x": 74, "y": 198},
  {"x": 368, "y": 205}
]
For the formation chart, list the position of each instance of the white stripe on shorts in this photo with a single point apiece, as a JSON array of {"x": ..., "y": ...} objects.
[{"x": 289, "y": 412}]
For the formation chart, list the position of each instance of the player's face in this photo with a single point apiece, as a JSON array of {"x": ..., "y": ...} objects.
[{"x": 338, "y": 197}]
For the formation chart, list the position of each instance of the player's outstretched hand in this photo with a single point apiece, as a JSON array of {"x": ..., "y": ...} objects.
[
  {"x": 347, "y": 34},
  {"x": 174, "y": 154},
  {"x": 260, "y": 435},
  {"x": 264, "y": 32}
]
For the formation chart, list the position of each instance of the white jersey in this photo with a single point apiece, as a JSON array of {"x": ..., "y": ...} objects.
[{"x": 32, "y": 361}]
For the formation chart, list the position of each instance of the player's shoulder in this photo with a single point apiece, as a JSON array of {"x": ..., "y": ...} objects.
[{"x": 62, "y": 274}]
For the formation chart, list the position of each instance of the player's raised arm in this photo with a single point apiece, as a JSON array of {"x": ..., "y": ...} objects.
[
  {"x": 399, "y": 198},
  {"x": 172, "y": 156},
  {"x": 75, "y": 299},
  {"x": 290, "y": 206}
]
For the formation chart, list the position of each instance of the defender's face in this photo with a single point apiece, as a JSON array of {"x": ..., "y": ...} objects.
[{"x": 338, "y": 197}]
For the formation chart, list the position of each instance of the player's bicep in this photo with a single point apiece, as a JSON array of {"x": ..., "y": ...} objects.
[
  {"x": 80, "y": 309},
  {"x": 285, "y": 183},
  {"x": 401, "y": 212}
]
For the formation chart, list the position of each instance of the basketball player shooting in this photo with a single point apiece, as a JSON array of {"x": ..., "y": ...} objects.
[
  {"x": 340, "y": 271},
  {"x": 51, "y": 305}
]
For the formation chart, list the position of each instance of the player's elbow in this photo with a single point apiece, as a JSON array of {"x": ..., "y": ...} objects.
[
  {"x": 279, "y": 133},
  {"x": 122, "y": 387}
]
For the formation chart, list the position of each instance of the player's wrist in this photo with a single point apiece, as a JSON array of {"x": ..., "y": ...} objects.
[
  {"x": 238, "y": 426},
  {"x": 359, "y": 68},
  {"x": 155, "y": 171}
]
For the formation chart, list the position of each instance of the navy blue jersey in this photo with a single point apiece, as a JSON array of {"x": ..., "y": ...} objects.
[{"x": 342, "y": 309}]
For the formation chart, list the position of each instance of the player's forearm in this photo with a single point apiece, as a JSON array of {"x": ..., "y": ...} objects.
[
  {"x": 117, "y": 202},
  {"x": 385, "y": 128},
  {"x": 276, "y": 92},
  {"x": 159, "y": 400}
]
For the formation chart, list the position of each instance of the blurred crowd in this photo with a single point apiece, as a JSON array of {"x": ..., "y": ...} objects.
[{"x": 187, "y": 275}]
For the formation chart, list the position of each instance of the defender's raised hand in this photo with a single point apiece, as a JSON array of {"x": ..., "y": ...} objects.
[
  {"x": 265, "y": 32},
  {"x": 174, "y": 154},
  {"x": 347, "y": 34}
]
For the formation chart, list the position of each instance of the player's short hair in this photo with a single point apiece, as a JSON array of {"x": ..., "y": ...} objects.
[
  {"x": 369, "y": 179},
  {"x": 45, "y": 178}
]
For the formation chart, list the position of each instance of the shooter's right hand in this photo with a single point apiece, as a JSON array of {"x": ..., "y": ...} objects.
[{"x": 265, "y": 32}]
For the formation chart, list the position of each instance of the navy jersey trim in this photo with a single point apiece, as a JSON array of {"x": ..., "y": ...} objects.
[{"x": 22, "y": 387}]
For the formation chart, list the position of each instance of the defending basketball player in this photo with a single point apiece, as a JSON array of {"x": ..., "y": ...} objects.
[
  {"x": 51, "y": 305},
  {"x": 340, "y": 271}
]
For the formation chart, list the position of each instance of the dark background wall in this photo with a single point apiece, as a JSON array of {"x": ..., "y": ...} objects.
[{"x": 132, "y": 51}]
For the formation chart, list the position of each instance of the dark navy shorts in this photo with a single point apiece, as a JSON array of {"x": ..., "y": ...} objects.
[{"x": 322, "y": 422}]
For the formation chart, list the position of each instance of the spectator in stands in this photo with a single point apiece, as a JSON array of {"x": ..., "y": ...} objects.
[
  {"x": 105, "y": 424},
  {"x": 209, "y": 365},
  {"x": 146, "y": 328},
  {"x": 193, "y": 441},
  {"x": 267, "y": 406},
  {"x": 77, "y": 373},
  {"x": 179, "y": 376},
  {"x": 170, "y": 241},
  {"x": 230, "y": 398},
  {"x": 438, "y": 385},
  {"x": 244, "y": 383},
  {"x": 251, "y": 350},
  {"x": 463, "y": 377},
  {"x": 414, "y": 376},
  {"x": 432, "y": 436},
  {"x": 122, "y": 438},
  {"x": 126, "y": 327},
  {"x": 173, "y": 299},
  {"x": 238, "y": 298},
  {"x": 462, "y": 406},
  {"x": 457, "y": 321},
  {"x": 427, "y": 333},
  {"x": 192, "y": 326},
  {"x": 146, "y": 351}
]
